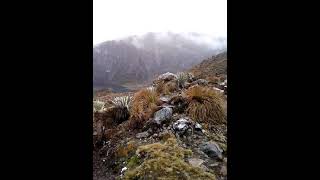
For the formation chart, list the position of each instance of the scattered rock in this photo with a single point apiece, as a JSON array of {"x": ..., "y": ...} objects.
[
  {"x": 154, "y": 135},
  {"x": 123, "y": 170},
  {"x": 201, "y": 82},
  {"x": 219, "y": 90},
  {"x": 214, "y": 165},
  {"x": 165, "y": 99},
  {"x": 212, "y": 149},
  {"x": 167, "y": 105},
  {"x": 182, "y": 126},
  {"x": 142, "y": 135},
  {"x": 163, "y": 115},
  {"x": 198, "y": 127},
  {"x": 195, "y": 162}
]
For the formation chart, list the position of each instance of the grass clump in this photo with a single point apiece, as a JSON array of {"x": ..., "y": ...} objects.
[
  {"x": 165, "y": 161},
  {"x": 205, "y": 105},
  {"x": 145, "y": 103},
  {"x": 166, "y": 88}
]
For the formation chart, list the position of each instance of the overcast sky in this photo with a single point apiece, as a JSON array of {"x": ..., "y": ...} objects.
[{"x": 113, "y": 19}]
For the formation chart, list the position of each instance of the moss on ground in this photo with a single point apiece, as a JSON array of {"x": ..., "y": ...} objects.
[{"x": 164, "y": 161}]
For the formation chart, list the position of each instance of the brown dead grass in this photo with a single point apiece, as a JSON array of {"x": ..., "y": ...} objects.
[
  {"x": 166, "y": 88},
  {"x": 205, "y": 105},
  {"x": 145, "y": 103}
]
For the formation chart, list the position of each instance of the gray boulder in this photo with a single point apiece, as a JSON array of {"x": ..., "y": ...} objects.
[
  {"x": 212, "y": 149},
  {"x": 163, "y": 115},
  {"x": 181, "y": 125},
  {"x": 167, "y": 76}
]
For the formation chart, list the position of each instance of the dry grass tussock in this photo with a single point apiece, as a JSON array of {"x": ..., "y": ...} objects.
[
  {"x": 145, "y": 102},
  {"x": 205, "y": 105}
]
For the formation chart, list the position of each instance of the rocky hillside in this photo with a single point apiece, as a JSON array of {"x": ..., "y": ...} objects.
[
  {"x": 174, "y": 129},
  {"x": 216, "y": 66},
  {"x": 138, "y": 59}
]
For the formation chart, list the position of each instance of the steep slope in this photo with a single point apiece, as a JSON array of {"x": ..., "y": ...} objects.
[
  {"x": 138, "y": 59},
  {"x": 176, "y": 134},
  {"x": 211, "y": 67}
]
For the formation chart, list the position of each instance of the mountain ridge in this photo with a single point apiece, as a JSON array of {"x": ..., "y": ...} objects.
[{"x": 139, "y": 59}]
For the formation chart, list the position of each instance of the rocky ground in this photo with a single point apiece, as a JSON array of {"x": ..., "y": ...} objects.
[{"x": 120, "y": 151}]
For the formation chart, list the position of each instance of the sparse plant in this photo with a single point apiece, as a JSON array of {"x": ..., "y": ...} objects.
[
  {"x": 122, "y": 102},
  {"x": 98, "y": 106},
  {"x": 205, "y": 105},
  {"x": 182, "y": 79}
]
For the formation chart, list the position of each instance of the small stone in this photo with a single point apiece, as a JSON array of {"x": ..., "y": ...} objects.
[
  {"x": 198, "y": 126},
  {"x": 123, "y": 169},
  {"x": 201, "y": 82},
  {"x": 142, "y": 135},
  {"x": 164, "y": 99},
  {"x": 214, "y": 165},
  {"x": 195, "y": 162},
  {"x": 212, "y": 149}
]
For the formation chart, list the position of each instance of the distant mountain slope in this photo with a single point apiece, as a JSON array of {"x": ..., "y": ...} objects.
[
  {"x": 216, "y": 65},
  {"x": 138, "y": 59}
]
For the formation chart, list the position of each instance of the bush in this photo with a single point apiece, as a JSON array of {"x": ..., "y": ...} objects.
[
  {"x": 205, "y": 105},
  {"x": 166, "y": 88},
  {"x": 164, "y": 161},
  {"x": 145, "y": 102}
]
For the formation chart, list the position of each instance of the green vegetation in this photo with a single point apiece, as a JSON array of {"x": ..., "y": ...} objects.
[{"x": 164, "y": 161}]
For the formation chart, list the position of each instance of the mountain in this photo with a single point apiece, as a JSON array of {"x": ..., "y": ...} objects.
[
  {"x": 211, "y": 67},
  {"x": 138, "y": 59}
]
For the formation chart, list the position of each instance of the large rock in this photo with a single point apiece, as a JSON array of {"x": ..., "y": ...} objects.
[
  {"x": 212, "y": 149},
  {"x": 181, "y": 126},
  {"x": 167, "y": 77},
  {"x": 163, "y": 115}
]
